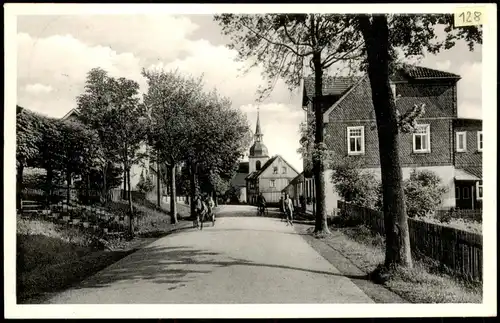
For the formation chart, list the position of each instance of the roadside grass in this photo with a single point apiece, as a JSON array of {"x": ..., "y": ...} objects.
[
  {"x": 425, "y": 283},
  {"x": 51, "y": 257},
  {"x": 457, "y": 223}
]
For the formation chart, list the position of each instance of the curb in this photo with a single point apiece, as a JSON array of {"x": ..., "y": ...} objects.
[{"x": 378, "y": 293}]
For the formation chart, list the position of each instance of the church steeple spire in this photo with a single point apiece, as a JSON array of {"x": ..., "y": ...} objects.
[
  {"x": 258, "y": 148},
  {"x": 258, "y": 133}
]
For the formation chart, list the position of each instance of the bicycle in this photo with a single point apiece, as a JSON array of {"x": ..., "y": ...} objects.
[{"x": 262, "y": 210}]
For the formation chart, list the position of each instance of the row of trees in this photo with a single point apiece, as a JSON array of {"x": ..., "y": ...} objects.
[
  {"x": 289, "y": 46},
  {"x": 176, "y": 123},
  {"x": 63, "y": 148}
]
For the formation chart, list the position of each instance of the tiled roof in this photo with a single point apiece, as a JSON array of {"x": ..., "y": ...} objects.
[
  {"x": 243, "y": 167},
  {"x": 239, "y": 179},
  {"x": 252, "y": 175},
  {"x": 266, "y": 165},
  {"x": 337, "y": 85},
  {"x": 459, "y": 122},
  {"x": 357, "y": 103},
  {"x": 472, "y": 170},
  {"x": 419, "y": 72}
]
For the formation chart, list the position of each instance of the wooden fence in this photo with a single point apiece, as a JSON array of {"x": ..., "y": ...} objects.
[
  {"x": 458, "y": 250},
  {"x": 474, "y": 215}
]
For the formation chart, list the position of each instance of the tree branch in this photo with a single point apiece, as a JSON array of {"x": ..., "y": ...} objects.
[
  {"x": 276, "y": 43},
  {"x": 296, "y": 43},
  {"x": 332, "y": 59}
]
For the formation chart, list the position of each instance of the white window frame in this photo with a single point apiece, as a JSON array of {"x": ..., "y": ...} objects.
[
  {"x": 477, "y": 190},
  {"x": 361, "y": 137},
  {"x": 275, "y": 170},
  {"x": 464, "y": 134},
  {"x": 428, "y": 133},
  {"x": 480, "y": 141},
  {"x": 283, "y": 170},
  {"x": 272, "y": 183}
]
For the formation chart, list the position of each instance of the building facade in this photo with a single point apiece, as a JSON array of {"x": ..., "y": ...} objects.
[
  {"x": 267, "y": 175},
  {"x": 351, "y": 132}
]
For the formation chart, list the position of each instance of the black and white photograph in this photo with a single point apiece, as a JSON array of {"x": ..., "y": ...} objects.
[{"x": 250, "y": 160}]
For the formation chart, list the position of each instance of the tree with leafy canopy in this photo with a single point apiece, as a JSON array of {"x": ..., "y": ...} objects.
[
  {"x": 94, "y": 109},
  {"x": 77, "y": 150},
  {"x": 220, "y": 138},
  {"x": 386, "y": 36},
  {"x": 282, "y": 43},
  {"x": 127, "y": 116},
  {"x": 169, "y": 98},
  {"x": 377, "y": 40},
  {"x": 28, "y": 138}
]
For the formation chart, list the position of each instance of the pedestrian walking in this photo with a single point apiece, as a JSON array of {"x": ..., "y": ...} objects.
[
  {"x": 288, "y": 206},
  {"x": 198, "y": 208},
  {"x": 210, "y": 206}
]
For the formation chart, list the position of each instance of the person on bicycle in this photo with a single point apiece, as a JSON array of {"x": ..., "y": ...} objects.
[{"x": 261, "y": 202}]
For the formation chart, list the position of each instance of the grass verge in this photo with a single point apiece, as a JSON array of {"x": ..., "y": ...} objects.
[
  {"x": 52, "y": 257},
  {"x": 421, "y": 284}
]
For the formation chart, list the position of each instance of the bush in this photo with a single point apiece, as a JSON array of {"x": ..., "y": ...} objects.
[
  {"x": 145, "y": 184},
  {"x": 354, "y": 185},
  {"x": 423, "y": 193}
]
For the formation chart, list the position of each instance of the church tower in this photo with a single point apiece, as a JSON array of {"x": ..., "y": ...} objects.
[{"x": 258, "y": 152}]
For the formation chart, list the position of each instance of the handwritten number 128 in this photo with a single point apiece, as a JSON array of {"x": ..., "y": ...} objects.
[{"x": 468, "y": 16}]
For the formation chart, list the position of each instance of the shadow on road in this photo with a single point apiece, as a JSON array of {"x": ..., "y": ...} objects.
[{"x": 176, "y": 266}]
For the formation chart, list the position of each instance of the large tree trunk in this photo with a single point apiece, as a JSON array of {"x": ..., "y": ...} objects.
[
  {"x": 124, "y": 184},
  {"x": 104, "y": 193},
  {"x": 321, "y": 225},
  {"x": 19, "y": 186},
  {"x": 130, "y": 205},
  {"x": 173, "y": 197},
  {"x": 376, "y": 35},
  {"x": 158, "y": 184}
]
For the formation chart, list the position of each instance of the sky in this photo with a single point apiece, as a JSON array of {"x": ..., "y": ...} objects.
[{"x": 54, "y": 54}]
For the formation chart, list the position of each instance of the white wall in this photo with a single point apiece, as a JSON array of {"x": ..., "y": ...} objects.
[
  {"x": 252, "y": 162},
  {"x": 446, "y": 173}
]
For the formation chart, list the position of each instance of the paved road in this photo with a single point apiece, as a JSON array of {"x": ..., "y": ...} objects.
[{"x": 241, "y": 260}]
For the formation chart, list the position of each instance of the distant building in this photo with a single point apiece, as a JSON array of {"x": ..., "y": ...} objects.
[
  {"x": 239, "y": 183},
  {"x": 267, "y": 176}
]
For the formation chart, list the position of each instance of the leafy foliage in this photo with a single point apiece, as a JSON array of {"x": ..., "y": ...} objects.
[
  {"x": 285, "y": 43},
  {"x": 145, "y": 184},
  {"x": 354, "y": 185},
  {"x": 423, "y": 193},
  {"x": 28, "y": 136}
]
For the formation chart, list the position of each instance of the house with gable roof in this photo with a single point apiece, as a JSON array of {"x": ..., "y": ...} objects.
[
  {"x": 437, "y": 144},
  {"x": 267, "y": 175}
]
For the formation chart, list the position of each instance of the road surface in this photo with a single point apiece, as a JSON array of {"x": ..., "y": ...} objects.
[{"x": 242, "y": 260}]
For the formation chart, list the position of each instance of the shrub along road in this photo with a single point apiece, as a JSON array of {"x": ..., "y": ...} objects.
[{"x": 241, "y": 260}]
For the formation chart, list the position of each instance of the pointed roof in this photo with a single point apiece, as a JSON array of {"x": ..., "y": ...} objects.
[
  {"x": 257, "y": 127},
  {"x": 268, "y": 163},
  {"x": 359, "y": 94}
]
